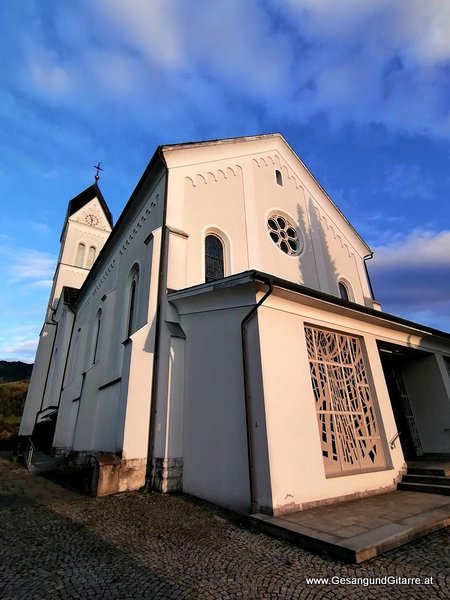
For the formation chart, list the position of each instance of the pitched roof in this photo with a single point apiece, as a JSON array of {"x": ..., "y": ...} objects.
[
  {"x": 93, "y": 191},
  {"x": 259, "y": 276},
  {"x": 86, "y": 196}
]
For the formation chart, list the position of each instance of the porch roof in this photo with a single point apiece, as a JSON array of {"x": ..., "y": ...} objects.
[{"x": 259, "y": 277}]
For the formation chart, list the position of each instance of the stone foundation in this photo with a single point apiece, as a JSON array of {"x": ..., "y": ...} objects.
[
  {"x": 132, "y": 474},
  {"x": 103, "y": 473},
  {"x": 167, "y": 475}
]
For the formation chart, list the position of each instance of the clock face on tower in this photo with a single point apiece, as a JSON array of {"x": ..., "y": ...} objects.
[{"x": 91, "y": 219}]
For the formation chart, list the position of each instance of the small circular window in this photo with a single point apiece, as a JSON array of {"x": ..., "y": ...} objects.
[{"x": 284, "y": 234}]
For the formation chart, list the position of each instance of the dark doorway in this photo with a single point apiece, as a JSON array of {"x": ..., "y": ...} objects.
[
  {"x": 392, "y": 360},
  {"x": 44, "y": 432}
]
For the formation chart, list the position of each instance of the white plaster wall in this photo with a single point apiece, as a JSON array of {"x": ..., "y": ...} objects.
[
  {"x": 296, "y": 465},
  {"x": 106, "y": 419},
  {"x": 108, "y": 289},
  {"x": 214, "y": 433},
  {"x": 230, "y": 189},
  {"x": 266, "y": 198},
  {"x": 168, "y": 434},
  {"x": 212, "y": 203},
  {"x": 64, "y": 317},
  {"x": 38, "y": 379}
]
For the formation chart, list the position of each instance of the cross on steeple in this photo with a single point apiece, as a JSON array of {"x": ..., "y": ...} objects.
[{"x": 99, "y": 168}]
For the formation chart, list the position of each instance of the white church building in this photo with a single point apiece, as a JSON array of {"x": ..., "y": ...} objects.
[{"x": 223, "y": 339}]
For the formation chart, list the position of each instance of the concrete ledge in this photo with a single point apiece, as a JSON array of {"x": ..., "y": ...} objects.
[
  {"x": 295, "y": 534},
  {"x": 360, "y": 538}
]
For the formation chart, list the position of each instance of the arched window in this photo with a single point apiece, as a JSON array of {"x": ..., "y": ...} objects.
[
  {"x": 80, "y": 255},
  {"x": 214, "y": 264},
  {"x": 279, "y": 177},
  {"x": 131, "y": 308},
  {"x": 97, "y": 336},
  {"x": 131, "y": 327},
  {"x": 91, "y": 257},
  {"x": 343, "y": 291}
]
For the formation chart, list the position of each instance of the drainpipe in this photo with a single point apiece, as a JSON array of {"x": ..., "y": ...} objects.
[
  {"x": 55, "y": 323},
  {"x": 365, "y": 258},
  {"x": 247, "y": 397}
]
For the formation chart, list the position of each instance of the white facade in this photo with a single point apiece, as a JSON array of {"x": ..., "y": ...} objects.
[{"x": 193, "y": 384}]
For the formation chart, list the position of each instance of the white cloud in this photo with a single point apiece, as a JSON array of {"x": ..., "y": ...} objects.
[
  {"x": 152, "y": 28},
  {"x": 407, "y": 181},
  {"x": 376, "y": 61},
  {"x": 31, "y": 266},
  {"x": 26, "y": 277},
  {"x": 24, "y": 350},
  {"x": 411, "y": 277},
  {"x": 418, "y": 249},
  {"x": 18, "y": 342},
  {"x": 38, "y": 227},
  {"x": 46, "y": 71}
]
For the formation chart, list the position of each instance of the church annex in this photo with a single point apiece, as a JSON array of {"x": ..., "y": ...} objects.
[{"x": 222, "y": 339}]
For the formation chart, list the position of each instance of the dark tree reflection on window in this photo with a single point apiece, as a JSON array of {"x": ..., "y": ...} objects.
[
  {"x": 214, "y": 267},
  {"x": 343, "y": 291}
]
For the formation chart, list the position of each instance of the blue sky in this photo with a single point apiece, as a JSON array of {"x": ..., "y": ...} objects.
[{"x": 361, "y": 91}]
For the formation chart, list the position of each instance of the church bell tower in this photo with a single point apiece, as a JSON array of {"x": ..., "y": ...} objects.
[{"x": 87, "y": 226}]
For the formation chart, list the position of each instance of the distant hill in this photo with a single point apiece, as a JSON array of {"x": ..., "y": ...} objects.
[{"x": 14, "y": 370}]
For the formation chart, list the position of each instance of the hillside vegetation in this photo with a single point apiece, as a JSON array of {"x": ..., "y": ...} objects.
[
  {"x": 14, "y": 370},
  {"x": 12, "y": 400}
]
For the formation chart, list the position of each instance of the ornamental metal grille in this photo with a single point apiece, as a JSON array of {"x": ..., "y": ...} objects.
[{"x": 345, "y": 411}]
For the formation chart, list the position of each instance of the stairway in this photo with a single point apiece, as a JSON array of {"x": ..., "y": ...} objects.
[
  {"x": 427, "y": 477},
  {"x": 42, "y": 462}
]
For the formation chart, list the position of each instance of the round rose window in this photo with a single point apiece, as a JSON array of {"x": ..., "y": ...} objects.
[{"x": 284, "y": 234}]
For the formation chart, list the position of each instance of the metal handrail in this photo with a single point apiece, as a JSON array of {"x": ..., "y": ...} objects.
[
  {"x": 28, "y": 456},
  {"x": 394, "y": 439}
]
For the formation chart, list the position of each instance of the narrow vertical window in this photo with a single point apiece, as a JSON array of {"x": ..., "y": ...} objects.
[
  {"x": 279, "y": 177},
  {"x": 214, "y": 264},
  {"x": 91, "y": 257},
  {"x": 343, "y": 291},
  {"x": 133, "y": 286},
  {"x": 80, "y": 255},
  {"x": 97, "y": 336},
  {"x": 131, "y": 308}
]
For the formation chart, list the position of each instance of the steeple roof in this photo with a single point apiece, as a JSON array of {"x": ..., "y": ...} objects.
[
  {"x": 93, "y": 191},
  {"x": 86, "y": 196}
]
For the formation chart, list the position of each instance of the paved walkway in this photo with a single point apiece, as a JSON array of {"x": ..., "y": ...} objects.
[
  {"x": 55, "y": 544},
  {"x": 361, "y": 529}
]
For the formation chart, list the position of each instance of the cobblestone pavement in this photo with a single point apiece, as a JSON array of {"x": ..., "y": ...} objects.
[{"x": 56, "y": 544}]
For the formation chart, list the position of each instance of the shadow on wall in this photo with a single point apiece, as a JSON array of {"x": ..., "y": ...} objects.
[{"x": 322, "y": 273}]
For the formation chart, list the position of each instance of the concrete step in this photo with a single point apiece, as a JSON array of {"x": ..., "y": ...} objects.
[
  {"x": 427, "y": 479},
  {"x": 443, "y": 490},
  {"x": 438, "y": 471},
  {"x": 358, "y": 530},
  {"x": 42, "y": 462}
]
